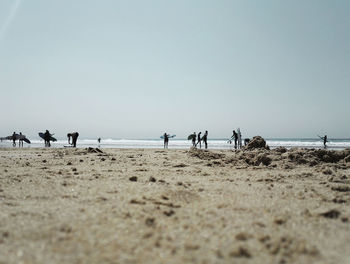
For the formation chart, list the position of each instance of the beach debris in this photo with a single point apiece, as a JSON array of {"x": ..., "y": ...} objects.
[
  {"x": 152, "y": 179},
  {"x": 133, "y": 178},
  {"x": 93, "y": 150},
  {"x": 341, "y": 188},
  {"x": 169, "y": 213},
  {"x": 257, "y": 143},
  {"x": 150, "y": 222},
  {"x": 240, "y": 252},
  {"x": 332, "y": 214}
]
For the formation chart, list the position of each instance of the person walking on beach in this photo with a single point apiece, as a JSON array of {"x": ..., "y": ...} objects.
[
  {"x": 14, "y": 139},
  {"x": 47, "y": 137},
  {"x": 74, "y": 137},
  {"x": 235, "y": 138},
  {"x": 20, "y": 142},
  {"x": 199, "y": 140},
  {"x": 194, "y": 139},
  {"x": 205, "y": 139}
]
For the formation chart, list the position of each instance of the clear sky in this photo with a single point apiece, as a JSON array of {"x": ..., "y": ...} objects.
[{"x": 135, "y": 69}]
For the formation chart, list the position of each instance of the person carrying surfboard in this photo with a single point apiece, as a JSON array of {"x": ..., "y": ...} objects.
[
  {"x": 20, "y": 142},
  {"x": 199, "y": 140},
  {"x": 74, "y": 137},
  {"x": 235, "y": 138},
  {"x": 166, "y": 140},
  {"x": 47, "y": 137},
  {"x": 205, "y": 139},
  {"x": 324, "y": 140},
  {"x": 14, "y": 137},
  {"x": 194, "y": 139}
]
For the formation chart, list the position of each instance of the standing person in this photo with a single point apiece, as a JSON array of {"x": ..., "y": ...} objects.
[
  {"x": 205, "y": 139},
  {"x": 47, "y": 137},
  {"x": 74, "y": 137},
  {"x": 14, "y": 139},
  {"x": 235, "y": 138},
  {"x": 194, "y": 139},
  {"x": 166, "y": 140},
  {"x": 99, "y": 140},
  {"x": 199, "y": 140},
  {"x": 325, "y": 141},
  {"x": 20, "y": 142}
]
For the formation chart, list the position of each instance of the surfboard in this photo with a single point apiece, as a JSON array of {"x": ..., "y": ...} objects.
[
  {"x": 42, "y": 135},
  {"x": 172, "y": 136},
  {"x": 192, "y": 136},
  {"x": 322, "y": 138},
  {"x": 23, "y": 137},
  {"x": 239, "y": 138}
]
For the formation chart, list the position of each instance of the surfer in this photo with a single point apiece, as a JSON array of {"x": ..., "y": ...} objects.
[
  {"x": 20, "y": 142},
  {"x": 199, "y": 140},
  {"x": 74, "y": 137},
  {"x": 194, "y": 139},
  {"x": 235, "y": 138},
  {"x": 325, "y": 141},
  {"x": 47, "y": 137},
  {"x": 166, "y": 140},
  {"x": 14, "y": 139},
  {"x": 99, "y": 140},
  {"x": 205, "y": 138}
]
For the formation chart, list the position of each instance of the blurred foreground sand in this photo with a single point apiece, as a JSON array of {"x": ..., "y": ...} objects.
[{"x": 174, "y": 206}]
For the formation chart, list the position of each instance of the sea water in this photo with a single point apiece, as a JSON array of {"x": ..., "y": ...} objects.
[{"x": 337, "y": 144}]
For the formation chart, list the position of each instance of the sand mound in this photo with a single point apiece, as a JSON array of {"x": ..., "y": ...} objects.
[{"x": 257, "y": 143}]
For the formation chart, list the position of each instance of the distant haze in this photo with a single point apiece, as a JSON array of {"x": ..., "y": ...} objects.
[{"x": 137, "y": 69}]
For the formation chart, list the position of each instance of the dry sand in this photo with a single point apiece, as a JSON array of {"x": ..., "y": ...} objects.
[{"x": 174, "y": 206}]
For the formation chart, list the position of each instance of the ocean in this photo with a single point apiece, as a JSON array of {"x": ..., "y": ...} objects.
[{"x": 336, "y": 144}]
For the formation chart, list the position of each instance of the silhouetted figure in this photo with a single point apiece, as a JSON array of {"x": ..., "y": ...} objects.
[
  {"x": 20, "y": 142},
  {"x": 14, "y": 139},
  {"x": 74, "y": 137},
  {"x": 199, "y": 140},
  {"x": 47, "y": 137},
  {"x": 99, "y": 140},
  {"x": 194, "y": 139},
  {"x": 235, "y": 138},
  {"x": 246, "y": 141},
  {"x": 325, "y": 141},
  {"x": 205, "y": 139},
  {"x": 166, "y": 140}
]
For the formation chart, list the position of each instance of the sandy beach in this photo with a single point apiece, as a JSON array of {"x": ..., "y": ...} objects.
[{"x": 174, "y": 206}]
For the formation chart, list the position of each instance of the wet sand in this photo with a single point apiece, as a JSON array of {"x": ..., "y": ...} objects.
[{"x": 174, "y": 206}]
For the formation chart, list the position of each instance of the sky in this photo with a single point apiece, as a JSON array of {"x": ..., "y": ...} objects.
[{"x": 136, "y": 69}]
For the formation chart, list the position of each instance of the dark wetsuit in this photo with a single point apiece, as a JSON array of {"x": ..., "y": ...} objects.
[
  {"x": 47, "y": 137},
  {"x": 235, "y": 137},
  {"x": 74, "y": 136},
  {"x": 166, "y": 140},
  {"x": 199, "y": 140},
  {"x": 14, "y": 139},
  {"x": 205, "y": 138}
]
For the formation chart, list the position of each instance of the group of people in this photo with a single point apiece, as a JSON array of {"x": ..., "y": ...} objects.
[
  {"x": 200, "y": 139},
  {"x": 48, "y": 138},
  {"x": 16, "y": 136}
]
